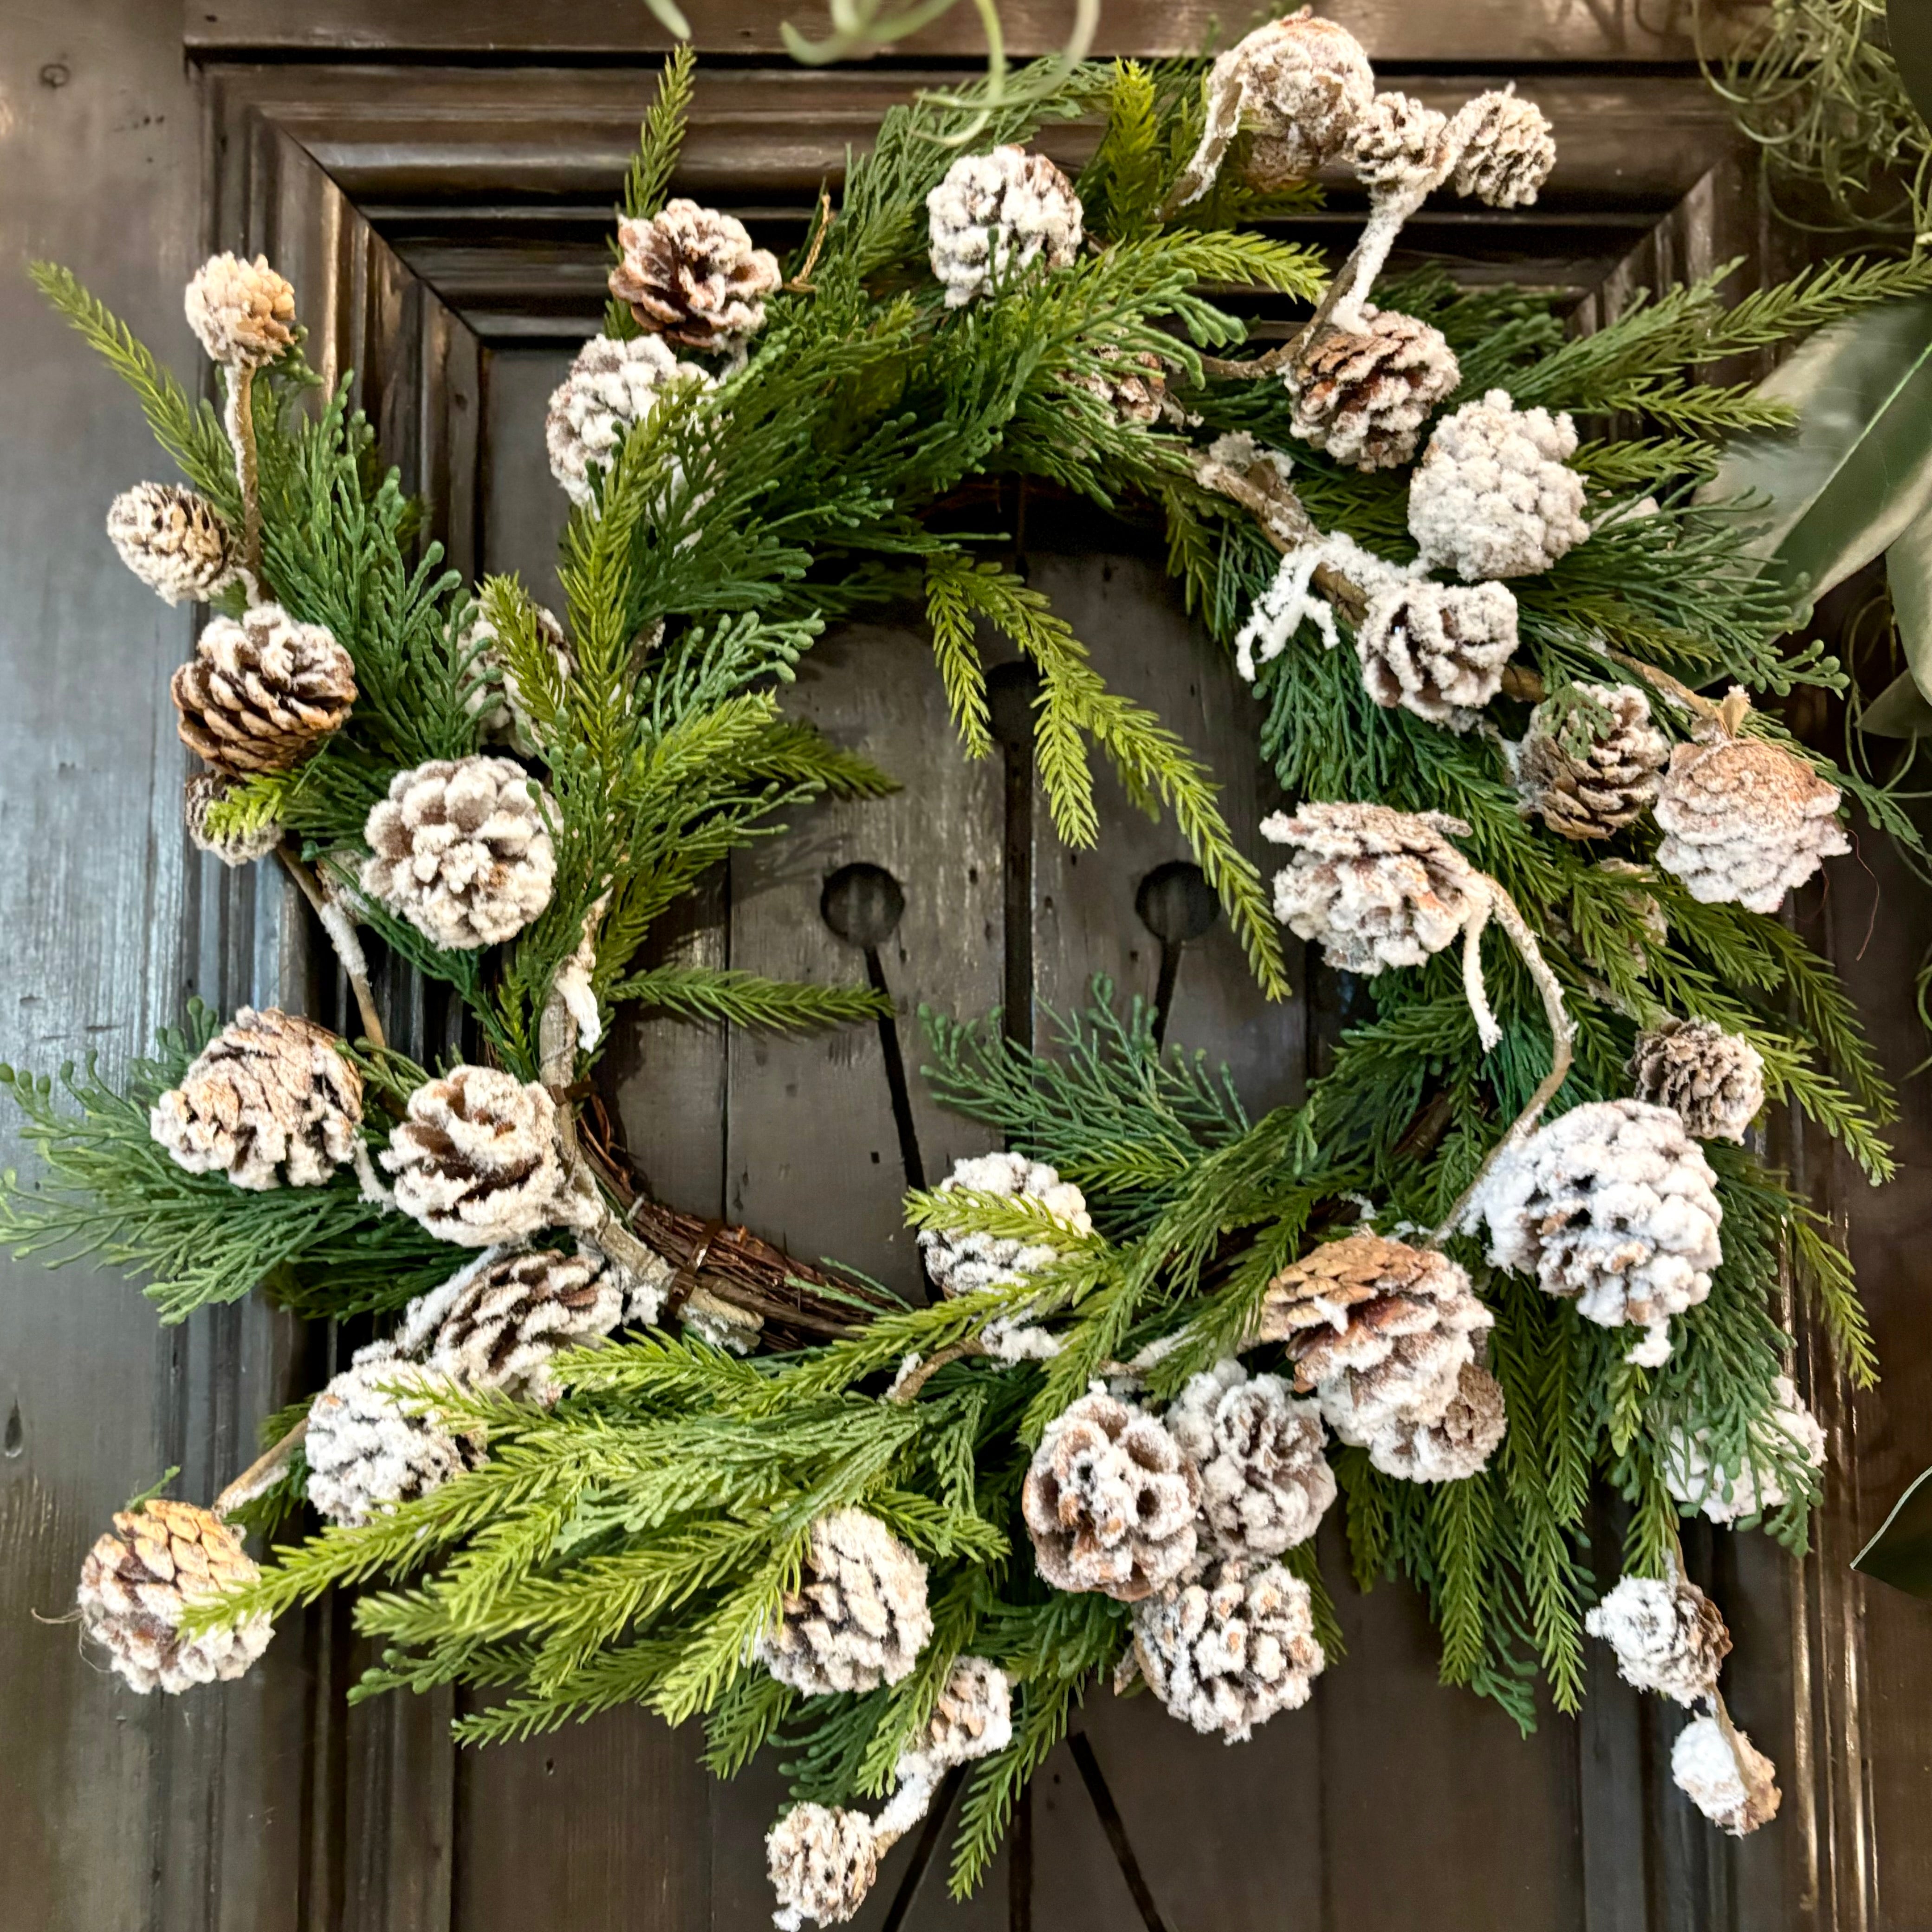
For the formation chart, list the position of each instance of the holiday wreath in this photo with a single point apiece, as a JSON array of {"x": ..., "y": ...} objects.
[{"x": 621, "y": 1455}]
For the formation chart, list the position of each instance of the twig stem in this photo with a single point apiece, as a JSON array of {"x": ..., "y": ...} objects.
[
  {"x": 954, "y": 1351},
  {"x": 239, "y": 417},
  {"x": 262, "y": 1472},
  {"x": 336, "y": 922}
]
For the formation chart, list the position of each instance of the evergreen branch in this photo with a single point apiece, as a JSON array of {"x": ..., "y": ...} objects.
[{"x": 729, "y": 997}]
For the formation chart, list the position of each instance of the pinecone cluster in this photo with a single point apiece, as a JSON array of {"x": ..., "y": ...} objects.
[
  {"x": 998, "y": 214},
  {"x": 1668, "y": 1636},
  {"x": 174, "y": 540},
  {"x": 1727, "y": 1494},
  {"x": 1712, "y": 1080},
  {"x": 821, "y": 1860},
  {"x": 262, "y": 691},
  {"x": 1504, "y": 148},
  {"x": 242, "y": 313},
  {"x": 613, "y": 386},
  {"x": 1732, "y": 1782},
  {"x": 476, "y": 1157},
  {"x": 1438, "y": 649},
  {"x": 860, "y": 1618},
  {"x": 1363, "y": 398},
  {"x": 1265, "y": 1484},
  {"x": 376, "y": 1439},
  {"x": 232, "y": 848},
  {"x": 691, "y": 275},
  {"x": 1607, "y": 786}
]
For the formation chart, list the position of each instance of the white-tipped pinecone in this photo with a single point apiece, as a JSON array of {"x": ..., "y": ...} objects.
[
  {"x": 243, "y": 312},
  {"x": 476, "y": 1159},
  {"x": 1728, "y": 1494},
  {"x": 1732, "y": 1782},
  {"x": 1668, "y": 1636},
  {"x": 262, "y": 691},
  {"x": 232, "y": 848},
  {"x": 499, "y": 705},
  {"x": 174, "y": 540},
  {"x": 269, "y": 1101},
  {"x": 1133, "y": 387},
  {"x": 1458, "y": 1443},
  {"x": 691, "y": 275},
  {"x": 459, "y": 848},
  {"x": 1399, "y": 145},
  {"x": 613, "y": 386},
  {"x": 1110, "y": 1501},
  {"x": 821, "y": 1860},
  {"x": 1712, "y": 1080},
  {"x": 1493, "y": 496},
  {"x": 995, "y": 215},
  {"x": 973, "y": 1717},
  {"x": 1226, "y": 1652},
  {"x": 1438, "y": 649},
  {"x": 1265, "y": 1484},
  {"x": 1504, "y": 150},
  {"x": 1364, "y": 398},
  {"x": 1608, "y": 782},
  {"x": 860, "y": 1618},
  {"x": 138, "y": 1580},
  {"x": 375, "y": 1440}
]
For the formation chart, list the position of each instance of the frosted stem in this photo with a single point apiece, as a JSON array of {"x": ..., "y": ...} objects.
[
  {"x": 340, "y": 927},
  {"x": 261, "y": 1474},
  {"x": 238, "y": 417}
]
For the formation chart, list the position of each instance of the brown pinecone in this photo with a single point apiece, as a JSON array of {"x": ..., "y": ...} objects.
[
  {"x": 974, "y": 1715},
  {"x": 1133, "y": 387},
  {"x": 1364, "y": 398},
  {"x": 475, "y": 1160},
  {"x": 1713, "y": 1080},
  {"x": 1668, "y": 1636},
  {"x": 137, "y": 1581},
  {"x": 1504, "y": 150},
  {"x": 261, "y": 693},
  {"x": 243, "y": 312},
  {"x": 1726, "y": 1776},
  {"x": 1265, "y": 1484},
  {"x": 1458, "y": 1443},
  {"x": 1438, "y": 649},
  {"x": 174, "y": 540},
  {"x": 1399, "y": 143},
  {"x": 1611, "y": 784},
  {"x": 232, "y": 848},
  {"x": 821, "y": 1860},
  {"x": 1110, "y": 1501},
  {"x": 268, "y": 1098},
  {"x": 691, "y": 275},
  {"x": 860, "y": 1618}
]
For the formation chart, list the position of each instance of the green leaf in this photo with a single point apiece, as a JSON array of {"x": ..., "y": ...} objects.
[
  {"x": 1900, "y": 710},
  {"x": 1908, "y": 576},
  {"x": 1901, "y": 1552}
]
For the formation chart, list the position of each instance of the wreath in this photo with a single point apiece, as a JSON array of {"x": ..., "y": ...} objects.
[{"x": 1521, "y": 1238}]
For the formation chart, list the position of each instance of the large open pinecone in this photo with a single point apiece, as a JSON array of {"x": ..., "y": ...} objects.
[
  {"x": 262, "y": 691},
  {"x": 860, "y": 1618},
  {"x": 1364, "y": 398},
  {"x": 1610, "y": 783},
  {"x": 1668, "y": 1636},
  {"x": 1712, "y": 1080},
  {"x": 475, "y": 1160},
  {"x": 174, "y": 540},
  {"x": 691, "y": 275},
  {"x": 1265, "y": 1483},
  {"x": 1438, "y": 649},
  {"x": 243, "y": 312}
]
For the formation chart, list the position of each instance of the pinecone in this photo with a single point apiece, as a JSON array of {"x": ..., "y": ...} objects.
[
  {"x": 1110, "y": 1501},
  {"x": 499, "y": 705},
  {"x": 1364, "y": 398},
  {"x": 998, "y": 214},
  {"x": 613, "y": 386},
  {"x": 1668, "y": 1636},
  {"x": 1265, "y": 1484},
  {"x": 232, "y": 848},
  {"x": 137, "y": 1581},
  {"x": 1458, "y": 1445},
  {"x": 1133, "y": 387},
  {"x": 1380, "y": 1331},
  {"x": 860, "y": 1618},
  {"x": 1438, "y": 649},
  {"x": 1226, "y": 1652},
  {"x": 973, "y": 1717},
  {"x": 459, "y": 848},
  {"x": 1504, "y": 149},
  {"x": 1746, "y": 821},
  {"x": 1735, "y": 1788},
  {"x": 1712, "y": 1080},
  {"x": 262, "y": 692},
  {"x": 174, "y": 540},
  {"x": 1492, "y": 496},
  {"x": 243, "y": 312},
  {"x": 1400, "y": 145},
  {"x": 1728, "y": 1494},
  {"x": 369, "y": 1449},
  {"x": 821, "y": 1861},
  {"x": 269, "y": 1100},
  {"x": 1607, "y": 787},
  {"x": 475, "y": 1160},
  {"x": 691, "y": 275}
]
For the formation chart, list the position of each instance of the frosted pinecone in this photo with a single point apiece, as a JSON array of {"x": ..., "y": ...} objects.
[
  {"x": 1746, "y": 821},
  {"x": 1110, "y": 1501},
  {"x": 1504, "y": 150},
  {"x": 1438, "y": 649},
  {"x": 613, "y": 386},
  {"x": 138, "y": 1580},
  {"x": 1399, "y": 146},
  {"x": 459, "y": 848},
  {"x": 691, "y": 275},
  {"x": 270, "y": 1101},
  {"x": 499, "y": 705},
  {"x": 232, "y": 848},
  {"x": 1457, "y": 1444},
  {"x": 1606, "y": 784},
  {"x": 1668, "y": 1636},
  {"x": 996, "y": 215},
  {"x": 1364, "y": 398},
  {"x": 262, "y": 692},
  {"x": 1728, "y": 1494},
  {"x": 1492, "y": 496},
  {"x": 243, "y": 312},
  {"x": 1265, "y": 1484},
  {"x": 1133, "y": 387},
  {"x": 821, "y": 1860},
  {"x": 1225, "y": 1653},
  {"x": 1735, "y": 1788},
  {"x": 476, "y": 1159},
  {"x": 376, "y": 1441},
  {"x": 973, "y": 1717},
  {"x": 1712, "y": 1080},
  {"x": 860, "y": 1618},
  {"x": 174, "y": 540}
]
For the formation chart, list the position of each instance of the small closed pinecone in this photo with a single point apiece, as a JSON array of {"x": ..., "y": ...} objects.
[
  {"x": 1732, "y": 1782},
  {"x": 232, "y": 848},
  {"x": 821, "y": 1860},
  {"x": 375, "y": 1441},
  {"x": 137, "y": 1581},
  {"x": 974, "y": 1715},
  {"x": 1504, "y": 150},
  {"x": 1265, "y": 1484},
  {"x": 499, "y": 705},
  {"x": 1712, "y": 1080},
  {"x": 476, "y": 1159},
  {"x": 1133, "y": 387},
  {"x": 1668, "y": 1636},
  {"x": 1493, "y": 496},
  {"x": 691, "y": 275},
  {"x": 1364, "y": 398},
  {"x": 174, "y": 540},
  {"x": 1400, "y": 145},
  {"x": 268, "y": 1101},
  {"x": 998, "y": 214},
  {"x": 243, "y": 312},
  {"x": 1610, "y": 783},
  {"x": 613, "y": 386},
  {"x": 459, "y": 848},
  {"x": 1438, "y": 649},
  {"x": 262, "y": 691},
  {"x": 1109, "y": 1501},
  {"x": 1226, "y": 1652},
  {"x": 1728, "y": 1494},
  {"x": 1457, "y": 1444},
  {"x": 1745, "y": 820},
  {"x": 860, "y": 1618}
]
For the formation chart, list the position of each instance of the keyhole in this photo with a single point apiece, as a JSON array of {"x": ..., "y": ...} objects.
[
  {"x": 863, "y": 903},
  {"x": 1177, "y": 905},
  {"x": 16, "y": 1438}
]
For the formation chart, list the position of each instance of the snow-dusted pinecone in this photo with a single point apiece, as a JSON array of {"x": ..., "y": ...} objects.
[
  {"x": 974, "y": 1715},
  {"x": 262, "y": 691},
  {"x": 1607, "y": 785},
  {"x": 1265, "y": 1484},
  {"x": 476, "y": 1159},
  {"x": 1110, "y": 1501},
  {"x": 499, "y": 706},
  {"x": 1493, "y": 496},
  {"x": 375, "y": 1440},
  {"x": 174, "y": 540},
  {"x": 1735, "y": 1789},
  {"x": 232, "y": 848},
  {"x": 1458, "y": 1443},
  {"x": 1378, "y": 887},
  {"x": 1712, "y": 1080},
  {"x": 1364, "y": 398},
  {"x": 1504, "y": 150},
  {"x": 1399, "y": 146},
  {"x": 613, "y": 386},
  {"x": 821, "y": 1860},
  {"x": 1727, "y": 1495},
  {"x": 691, "y": 275},
  {"x": 459, "y": 848},
  {"x": 1746, "y": 821},
  {"x": 1668, "y": 1636},
  {"x": 1438, "y": 649},
  {"x": 1133, "y": 387},
  {"x": 269, "y": 1101},
  {"x": 138, "y": 1580},
  {"x": 1226, "y": 1652},
  {"x": 243, "y": 312},
  {"x": 994, "y": 215},
  {"x": 860, "y": 1618}
]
